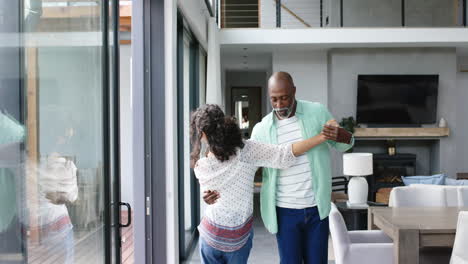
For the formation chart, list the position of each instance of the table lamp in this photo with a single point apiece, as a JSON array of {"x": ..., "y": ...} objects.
[{"x": 357, "y": 165}]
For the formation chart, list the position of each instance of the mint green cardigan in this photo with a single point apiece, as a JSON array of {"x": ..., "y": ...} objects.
[{"x": 312, "y": 117}]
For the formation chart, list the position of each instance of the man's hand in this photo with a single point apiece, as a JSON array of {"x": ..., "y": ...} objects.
[
  {"x": 332, "y": 131},
  {"x": 210, "y": 197},
  {"x": 56, "y": 197}
]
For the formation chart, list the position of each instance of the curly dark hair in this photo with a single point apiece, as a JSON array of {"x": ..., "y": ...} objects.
[{"x": 223, "y": 133}]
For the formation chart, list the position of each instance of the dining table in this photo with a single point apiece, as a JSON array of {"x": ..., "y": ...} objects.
[{"x": 413, "y": 228}]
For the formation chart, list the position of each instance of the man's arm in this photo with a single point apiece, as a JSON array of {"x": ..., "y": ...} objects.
[{"x": 210, "y": 197}]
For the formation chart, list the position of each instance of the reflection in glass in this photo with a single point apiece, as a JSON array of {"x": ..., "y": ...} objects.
[
  {"x": 187, "y": 192},
  {"x": 242, "y": 114},
  {"x": 51, "y": 132}
]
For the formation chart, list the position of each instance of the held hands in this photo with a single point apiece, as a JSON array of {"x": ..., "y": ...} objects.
[
  {"x": 56, "y": 197},
  {"x": 210, "y": 197},
  {"x": 332, "y": 131}
]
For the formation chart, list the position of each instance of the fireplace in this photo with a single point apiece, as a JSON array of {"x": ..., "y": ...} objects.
[{"x": 388, "y": 170}]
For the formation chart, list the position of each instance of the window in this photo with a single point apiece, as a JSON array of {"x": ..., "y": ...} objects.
[{"x": 191, "y": 60}]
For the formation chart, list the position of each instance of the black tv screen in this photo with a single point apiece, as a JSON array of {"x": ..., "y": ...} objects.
[{"x": 397, "y": 99}]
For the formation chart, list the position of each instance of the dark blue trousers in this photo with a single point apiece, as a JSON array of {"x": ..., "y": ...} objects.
[{"x": 302, "y": 237}]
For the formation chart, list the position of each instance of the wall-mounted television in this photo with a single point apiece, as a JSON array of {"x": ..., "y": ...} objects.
[{"x": 397, "y": 99}]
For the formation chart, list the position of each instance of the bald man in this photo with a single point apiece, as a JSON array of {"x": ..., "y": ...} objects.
[{"x": 295, "y": 202}]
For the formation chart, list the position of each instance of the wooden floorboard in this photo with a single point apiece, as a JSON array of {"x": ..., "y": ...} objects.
[
  {"x": 128, "y": 245},
  {"x": 89, "y": 249}
]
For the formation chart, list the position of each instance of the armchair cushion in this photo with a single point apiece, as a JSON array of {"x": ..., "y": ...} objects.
[
  {"x": 438, "y": 179},
  {"x": 463, "y": 196},
  {"x": 370, "y": 253},
  {"x": 369, "y": 236},
  {"x": 450, "y": 181}
]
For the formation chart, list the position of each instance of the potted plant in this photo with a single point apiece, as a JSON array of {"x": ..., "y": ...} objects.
[{"x": 349, "y": 124}]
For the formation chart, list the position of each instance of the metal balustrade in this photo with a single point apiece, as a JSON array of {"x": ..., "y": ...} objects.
[{"x": 341, "y": 13}]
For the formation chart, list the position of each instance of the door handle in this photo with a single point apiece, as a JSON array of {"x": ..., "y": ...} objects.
[{"x": 129, "y": 214}]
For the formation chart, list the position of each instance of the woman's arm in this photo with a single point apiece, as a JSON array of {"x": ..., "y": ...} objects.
[
  {"x": 277, "y": 156},
  {"x": 303, "y": 146}
]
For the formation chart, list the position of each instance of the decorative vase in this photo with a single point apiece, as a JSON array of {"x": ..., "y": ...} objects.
[
  {"x": 391, "y": 148},
  {"x": 442, "y": 122}
]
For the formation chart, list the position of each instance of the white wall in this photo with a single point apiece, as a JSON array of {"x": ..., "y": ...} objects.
[
  {"x": 346, "y": 64},
  {"x": 126, "y": 125},
  {"x": 308, "y": 70},
  {"x": 267, "y": 14},
  {"x": 172, "y": 215},
  {"x": 371, "y": 13},
  {"x": 195, "y": 12},
  {"x": 430, "y": 13}
]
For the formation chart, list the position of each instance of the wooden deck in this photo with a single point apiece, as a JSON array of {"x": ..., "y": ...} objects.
[
  {"x": 127, "y": 241},
  {"x": 88, "y": 248}
]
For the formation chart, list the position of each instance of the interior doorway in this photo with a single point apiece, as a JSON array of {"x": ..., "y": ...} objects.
[{"x": 246, "y": 107}]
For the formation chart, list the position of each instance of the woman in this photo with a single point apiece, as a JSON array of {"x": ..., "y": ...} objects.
[{"x": 228, "y": 165}]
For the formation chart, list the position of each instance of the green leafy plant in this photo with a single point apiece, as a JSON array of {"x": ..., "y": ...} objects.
[{"x": 349, "y": 124}]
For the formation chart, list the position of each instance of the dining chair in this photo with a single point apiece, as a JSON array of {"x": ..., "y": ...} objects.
[
  {"x": 460, "y": 252},
  {"x": 427, "y": 196},
  {"x": 463, "y": 196},
  {"x": 363, "y": 247}
]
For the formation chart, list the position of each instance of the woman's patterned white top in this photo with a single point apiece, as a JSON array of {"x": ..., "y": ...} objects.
[{"x": 227, "y": 223}]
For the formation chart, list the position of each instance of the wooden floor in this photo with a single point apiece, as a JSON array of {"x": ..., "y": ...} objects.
[
  {"x": 127, "y": 241},
  {"x": 88, "y": 248}
]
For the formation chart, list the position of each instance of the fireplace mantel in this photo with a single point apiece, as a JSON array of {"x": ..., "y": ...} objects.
[{"x": 401, "y": 133}]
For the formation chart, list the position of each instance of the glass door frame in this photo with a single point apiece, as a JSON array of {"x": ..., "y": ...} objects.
[
  {"x": 110, "y": 121},
  {"x": 183, "y": 31},
  {"x": 111, "y": 133}
]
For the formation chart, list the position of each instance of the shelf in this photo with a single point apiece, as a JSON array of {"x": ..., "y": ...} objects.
[{"x": 401, "y": 133}]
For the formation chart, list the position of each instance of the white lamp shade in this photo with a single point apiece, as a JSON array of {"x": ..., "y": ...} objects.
[{"x": 357, "y": 164}]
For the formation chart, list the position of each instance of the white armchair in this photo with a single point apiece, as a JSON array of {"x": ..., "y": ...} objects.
[
  {"x": 418, "y": 196},
  {"x": 363, "y": 247},
  {"x": 460, "y": 252},
  {"x": 463, "y": 196},
  {"x": 428, "y": 195}
]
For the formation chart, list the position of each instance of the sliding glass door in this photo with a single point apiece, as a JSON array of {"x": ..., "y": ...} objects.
[
  {"x": 58, "y": 124},
  {"x": 191, "y": 83}
]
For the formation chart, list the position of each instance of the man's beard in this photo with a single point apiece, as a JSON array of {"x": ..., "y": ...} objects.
[{"x": 285, "y": 112}]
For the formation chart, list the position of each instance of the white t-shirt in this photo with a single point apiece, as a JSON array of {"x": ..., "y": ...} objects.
[{"x": 294, "y": 185}]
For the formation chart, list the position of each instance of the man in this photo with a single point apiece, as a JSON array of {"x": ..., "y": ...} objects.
[{"x": 295, "y": 202}]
